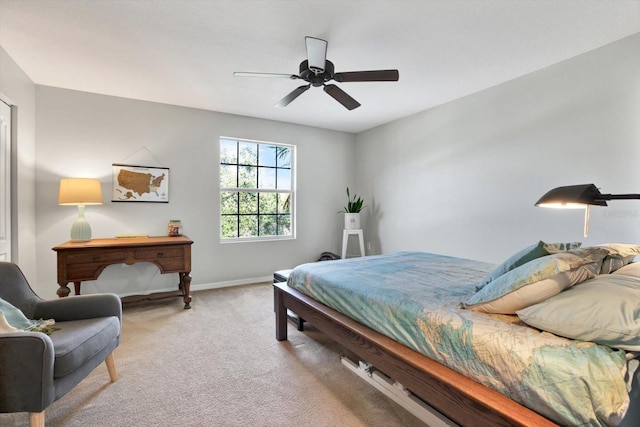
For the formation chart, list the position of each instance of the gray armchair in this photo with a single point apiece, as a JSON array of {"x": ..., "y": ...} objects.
[{"x": 38, "y": 369}]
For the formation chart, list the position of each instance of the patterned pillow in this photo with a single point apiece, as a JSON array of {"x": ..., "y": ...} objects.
[
  {"x": 5, "y": 326},
  {"x": 620, "y": 254},
  {"x": 525, "y": 255},
  {"x": 12, "y": 319},
  {"x": 14, "y": 316},
  {"x": 537, "y": 280}
]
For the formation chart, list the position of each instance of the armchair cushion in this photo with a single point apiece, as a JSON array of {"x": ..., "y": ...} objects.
[{"x": 77, "y": 341}]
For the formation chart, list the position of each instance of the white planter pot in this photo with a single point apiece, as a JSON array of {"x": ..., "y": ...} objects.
[{"x": 352, "y": 221}]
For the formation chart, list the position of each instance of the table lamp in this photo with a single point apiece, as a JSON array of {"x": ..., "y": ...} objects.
[
  {"x": 80, "y": 192},
  {"x": 580, "y": 197}
]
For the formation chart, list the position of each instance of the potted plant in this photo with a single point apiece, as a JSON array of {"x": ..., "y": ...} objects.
[{"x": 352, "y": 211}]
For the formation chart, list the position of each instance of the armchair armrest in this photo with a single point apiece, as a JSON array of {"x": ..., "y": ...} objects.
[
  {"x": 79, "y": 307},
  {"x": 26, "y": 372}
]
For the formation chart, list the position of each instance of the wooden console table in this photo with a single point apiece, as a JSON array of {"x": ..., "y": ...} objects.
[{"x": 81, "y": 261}]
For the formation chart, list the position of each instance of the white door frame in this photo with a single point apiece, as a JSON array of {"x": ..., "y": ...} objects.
[{"x": 5, "y": 181}]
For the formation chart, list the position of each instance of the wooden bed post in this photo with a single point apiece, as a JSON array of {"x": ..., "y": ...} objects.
[{"x": 281, "y": 315}]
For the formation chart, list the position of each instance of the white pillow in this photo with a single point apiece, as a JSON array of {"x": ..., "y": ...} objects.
[
  {"x": 632, "y": 270},
  {"x": 603, "y": 310}
]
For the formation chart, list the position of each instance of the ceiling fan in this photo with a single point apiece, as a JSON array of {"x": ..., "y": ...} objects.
[{"x": 317, "y": 70}]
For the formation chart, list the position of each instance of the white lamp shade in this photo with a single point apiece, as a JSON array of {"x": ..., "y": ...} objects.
[{"x": 80, "y": 191}]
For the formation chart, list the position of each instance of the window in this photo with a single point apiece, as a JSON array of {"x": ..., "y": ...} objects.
[{"x": 256, "y": 190}]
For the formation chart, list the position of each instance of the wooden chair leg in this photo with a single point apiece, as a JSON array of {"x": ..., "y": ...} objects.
[
  {"x": 36, "y": 419},
  {"x": 111, "y": 367}
]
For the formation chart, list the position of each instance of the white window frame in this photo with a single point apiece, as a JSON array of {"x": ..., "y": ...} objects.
[{"x": 292, "y": 192}]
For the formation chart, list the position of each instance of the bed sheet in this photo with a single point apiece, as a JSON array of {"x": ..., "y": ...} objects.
[{"x": 414, "y": 298}]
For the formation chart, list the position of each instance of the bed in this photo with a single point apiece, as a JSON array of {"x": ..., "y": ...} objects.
[{"x": 417, "y": 318}]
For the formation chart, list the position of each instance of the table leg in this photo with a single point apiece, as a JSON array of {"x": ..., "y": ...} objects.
[
  {"x": 345, "y": 241},
  {"x": 361, "y": 240},
  {"x": 63, "y": 290},
  {"x": 76, "y": 286},
  {"x": 185, "y": 285}
]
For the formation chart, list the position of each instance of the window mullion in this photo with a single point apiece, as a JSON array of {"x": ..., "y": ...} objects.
[{"x": 238, "y": 185}]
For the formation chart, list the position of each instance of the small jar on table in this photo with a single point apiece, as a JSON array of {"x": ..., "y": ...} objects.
[{"x": 174, "y": 228}]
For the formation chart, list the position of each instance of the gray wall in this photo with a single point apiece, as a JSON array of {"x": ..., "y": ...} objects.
[
  {"x": 462, "y": 178},
  {"x": 459, "y": 179},
  {"x": 81, "y": 135}
]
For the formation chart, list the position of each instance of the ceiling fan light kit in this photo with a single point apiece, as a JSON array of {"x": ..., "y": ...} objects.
[{"x": 317, "y": 71}]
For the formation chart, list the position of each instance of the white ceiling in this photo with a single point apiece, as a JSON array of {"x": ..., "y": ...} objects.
[{"x": 185, "y": 52}]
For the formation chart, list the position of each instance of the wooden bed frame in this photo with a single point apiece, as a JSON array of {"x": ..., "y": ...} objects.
[{"x": 459, "y": 398}]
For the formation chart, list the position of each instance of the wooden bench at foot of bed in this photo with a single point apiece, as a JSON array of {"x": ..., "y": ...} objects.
[{"x": 459, "y": 398}]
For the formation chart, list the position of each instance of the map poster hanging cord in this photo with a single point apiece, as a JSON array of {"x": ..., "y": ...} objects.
[{"x": 142, "y": 156}]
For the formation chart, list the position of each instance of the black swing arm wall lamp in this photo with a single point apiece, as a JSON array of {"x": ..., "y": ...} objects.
[{"x": 580, "y": 197}]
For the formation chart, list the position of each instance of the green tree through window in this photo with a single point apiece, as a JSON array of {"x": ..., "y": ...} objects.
[{"x": 256, "y": 190}]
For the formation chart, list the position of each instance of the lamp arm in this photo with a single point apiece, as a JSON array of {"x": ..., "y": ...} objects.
[{"x": 618, "y": 196}]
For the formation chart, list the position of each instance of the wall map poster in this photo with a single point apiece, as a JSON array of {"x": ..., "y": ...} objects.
[{"x": 140, "y": 184}]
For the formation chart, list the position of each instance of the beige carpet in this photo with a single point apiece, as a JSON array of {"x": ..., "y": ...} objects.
[{"x": 219, "y": 364}]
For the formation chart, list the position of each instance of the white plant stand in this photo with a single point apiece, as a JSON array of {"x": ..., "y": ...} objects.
[{"x": 345, "y": 240}]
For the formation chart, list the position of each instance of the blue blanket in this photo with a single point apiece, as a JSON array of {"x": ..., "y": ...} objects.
[
  {"x": 414, "y": 297},
  {"x": 13, "y": 319}
]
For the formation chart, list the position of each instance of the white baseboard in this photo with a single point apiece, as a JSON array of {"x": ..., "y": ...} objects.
[
  {"x": 205, "y": 286},
  {"x": 396, "y": 392},
  {"x": 227, "y": 284}
]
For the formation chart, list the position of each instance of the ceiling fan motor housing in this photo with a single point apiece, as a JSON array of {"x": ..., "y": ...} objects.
[{"x": 316, "y": 78}]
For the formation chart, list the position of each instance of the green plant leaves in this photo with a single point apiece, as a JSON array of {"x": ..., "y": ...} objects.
[{"x": 354, "y": 205}]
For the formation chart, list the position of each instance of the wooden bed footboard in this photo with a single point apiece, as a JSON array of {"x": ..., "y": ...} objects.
[{"x": 459, "y": 398}]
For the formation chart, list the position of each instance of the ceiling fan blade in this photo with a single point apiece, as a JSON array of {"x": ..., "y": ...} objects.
[
  {"x": 341, "y": 96},
  {"x": 368, "y": 76},
  {"x": 292, "y": 95},
  {"x": 316, "y": 54},
  {"x": 268, "y": 75}
]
